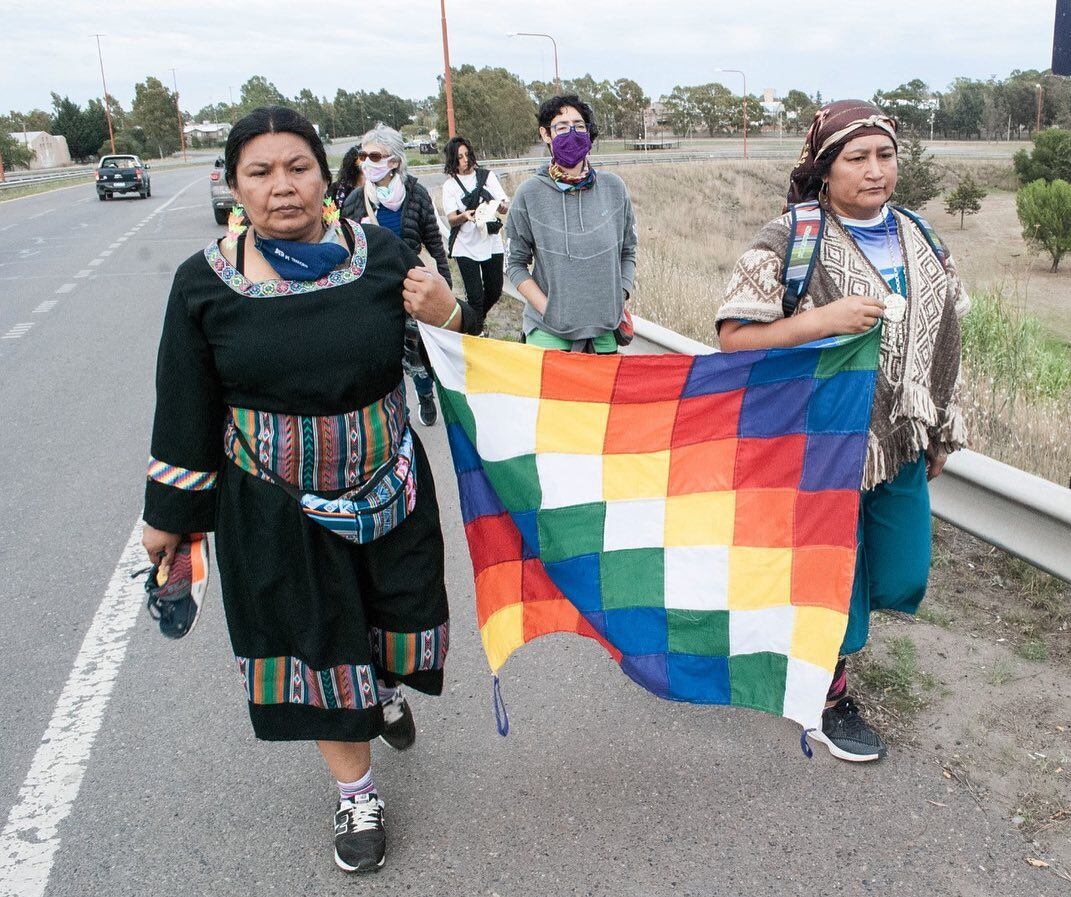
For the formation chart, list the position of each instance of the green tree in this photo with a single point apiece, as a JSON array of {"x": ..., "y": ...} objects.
[
  {"x": 349, "y": 113},
  {"x": 910, "y": 103},
  {"x": 1050, "y": 158},
  {"x": 919, "y": 180},
  {"x": 1045, "y": 214},
  {"x": 716, "y": 106},
  {"x": 493, "y": 109},
  {"x": 966, "y": 199},
  {"x": 81, "y": 131},
  {"x": 259, "y": 91},
  {"x": 153, "y": 110},
  {"x": 799, "y": 110},
  {"x": 681, "y": 111},
  {"x": 215, "y": 112},
  {"x": 388, "y": 108},
  {"x": 314, "y": 109},
  {"x": 632, "y": 103},
  {"x": 34, "y": 120},
  {"x": 13, "y": 151}
]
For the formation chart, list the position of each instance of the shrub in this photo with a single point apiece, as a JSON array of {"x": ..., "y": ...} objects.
[{"x": 1045, "y": 214}]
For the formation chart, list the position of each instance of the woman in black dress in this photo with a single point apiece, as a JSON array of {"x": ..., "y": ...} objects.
[{"x": 286, "y": 340}]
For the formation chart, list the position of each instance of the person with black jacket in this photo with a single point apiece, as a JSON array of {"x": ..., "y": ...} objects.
[
  {"x": 472, "y": 201},
  {"x": 394, "y": 199}
]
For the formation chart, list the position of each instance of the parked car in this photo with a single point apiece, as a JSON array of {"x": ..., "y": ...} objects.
[
  {"x": 219, "y": 193},
  {"x": 122, "y": 174},
  {"x": 428, "y": 148}
]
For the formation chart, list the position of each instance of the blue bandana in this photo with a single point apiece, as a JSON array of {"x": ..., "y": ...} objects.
[{"x": 295, "y": 260}]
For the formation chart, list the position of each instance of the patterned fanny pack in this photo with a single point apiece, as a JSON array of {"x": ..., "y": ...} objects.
[{"x": 365, "y": 513}]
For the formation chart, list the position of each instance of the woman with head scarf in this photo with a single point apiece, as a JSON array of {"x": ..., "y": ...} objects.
[
  {"x": 281, "y": 425},
  {"x": 869, "y": 262},
  {"x": 396, "y": 200}
]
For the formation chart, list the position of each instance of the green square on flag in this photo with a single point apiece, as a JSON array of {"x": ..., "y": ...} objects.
[
  {"x": 704, "y": 632},
  {"x": 516, "y": 482},
  {"x": 758, "y": 680},
  {"x": 571, "y": 532},
  {"x": 634, "y": 577}
]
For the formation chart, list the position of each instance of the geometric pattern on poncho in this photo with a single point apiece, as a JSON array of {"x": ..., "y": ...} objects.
[{"x": 696, "y": 515}]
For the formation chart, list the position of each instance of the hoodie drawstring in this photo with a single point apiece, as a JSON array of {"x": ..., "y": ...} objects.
[{"x": 565, "y": 227}]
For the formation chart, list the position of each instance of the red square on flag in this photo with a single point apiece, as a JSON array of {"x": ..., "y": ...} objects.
[
  {"x": 651, "y": 378},
  {"x": 773, "y": 463},
  {"x": 827, "y": 518},
  {"x": 493, "y": 540},
  {"x": 713, "y": 416}
]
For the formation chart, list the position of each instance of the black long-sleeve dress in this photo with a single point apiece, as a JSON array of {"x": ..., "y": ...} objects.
[{"x": 310, "y": 371}]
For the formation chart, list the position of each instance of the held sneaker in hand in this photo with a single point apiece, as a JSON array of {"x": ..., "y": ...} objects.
[{"x": 176, "y": 592}]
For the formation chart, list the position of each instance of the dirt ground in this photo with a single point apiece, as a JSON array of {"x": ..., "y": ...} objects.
[{"x": 990, "y": 250}]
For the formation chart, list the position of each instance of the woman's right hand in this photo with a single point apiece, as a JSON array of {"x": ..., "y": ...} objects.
[
  {"x": 160, "y": 546},
  {"x": 851, "y": 314}
]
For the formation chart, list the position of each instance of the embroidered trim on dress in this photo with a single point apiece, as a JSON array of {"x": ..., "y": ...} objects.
[
  {"x": 267, "y": 289},
  {"x": 288, "y": 680},
  {"x": 406, "y": 652},
  {"x": 320, "y": 454},
  {"x": 180, "y": 477}
]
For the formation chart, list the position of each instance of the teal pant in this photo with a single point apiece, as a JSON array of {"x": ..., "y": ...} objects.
[{"x": 893, "y": 560}]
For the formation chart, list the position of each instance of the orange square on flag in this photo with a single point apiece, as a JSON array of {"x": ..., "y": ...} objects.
[
  {"x": 705, "y": 467},
  {"x": 497, "y": 587},
  {"x": 575, "y": 377},
  {"x": 823, "y": 577},
  {"x": 636, "y": 429},
  {"x": 764, "y": 517},
  {"x": 545, "y": 617}
]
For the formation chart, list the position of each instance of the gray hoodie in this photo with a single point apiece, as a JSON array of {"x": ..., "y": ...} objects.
[{"x": 584, "y": 246}]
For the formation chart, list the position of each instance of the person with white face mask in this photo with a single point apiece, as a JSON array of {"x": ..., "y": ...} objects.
[{"x": 394, "y": 199}]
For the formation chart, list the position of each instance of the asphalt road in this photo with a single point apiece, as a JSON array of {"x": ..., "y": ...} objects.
[{"x": 139, "y": 775}]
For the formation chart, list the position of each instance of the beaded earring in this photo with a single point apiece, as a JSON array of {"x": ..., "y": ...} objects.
[
  {"x": 236, "y": 225},
  {"x": 331, "y": 213}
]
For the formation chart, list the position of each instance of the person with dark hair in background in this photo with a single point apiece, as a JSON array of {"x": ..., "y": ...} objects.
[
  {"x": 350, "y": 178},
  {"x": 572, "y": 239},
  {"x": 472, "y": 201},
  {"x": 279, "y": 390}
]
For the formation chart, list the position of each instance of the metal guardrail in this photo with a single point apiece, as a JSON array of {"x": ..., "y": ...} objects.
[
  {"x": 1016, "y": 511},
  {"x": 13, "y": 179}
]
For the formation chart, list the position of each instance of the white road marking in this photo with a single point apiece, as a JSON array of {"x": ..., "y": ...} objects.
[
  {"x": 18, "y": 331},
  {"x": 96, "y": 262},
  {"x": 104, "y": 253},
  {"x": 29, "y": 841},
  {"x": 85, "y": 272},
  {"x": 65, "y": 288},
  {"x": 121, "y": 241},
  {"x": 7, "y": 227},
  {"x": 116, "y": 244},
  {"x": 46, "y": 306},
  {"x": 40, "y": 214}
]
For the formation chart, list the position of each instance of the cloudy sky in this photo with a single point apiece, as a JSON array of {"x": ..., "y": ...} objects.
[{"x": 845, "y": 49}]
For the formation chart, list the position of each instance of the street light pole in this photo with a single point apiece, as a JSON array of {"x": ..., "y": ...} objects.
[
  {"x": 178, "y": 112},
  {"x": 448, "y": 84},
  {"x": 231, "y": 91},
  {"x": 742, "y": 75},
  {"x": 107, "y": 108},
  {"x": 1037, "y": 126},
  {"x": 557, "y": 74}
]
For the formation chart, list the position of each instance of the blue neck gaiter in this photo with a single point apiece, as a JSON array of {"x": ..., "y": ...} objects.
[{"x": 295, "y": 260}]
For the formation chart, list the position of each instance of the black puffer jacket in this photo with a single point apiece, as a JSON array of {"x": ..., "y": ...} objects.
[{"x": 420, "y": 227}]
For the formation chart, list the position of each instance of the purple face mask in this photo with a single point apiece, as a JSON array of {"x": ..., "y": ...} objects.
[{"x": 570, "y": 148}]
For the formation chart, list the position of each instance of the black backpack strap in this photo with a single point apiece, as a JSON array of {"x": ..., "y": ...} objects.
[{"x": 806, "y": 225}]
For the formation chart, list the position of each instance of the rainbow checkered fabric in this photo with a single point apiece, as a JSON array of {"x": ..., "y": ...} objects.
[{"x": 695, "y": 515}]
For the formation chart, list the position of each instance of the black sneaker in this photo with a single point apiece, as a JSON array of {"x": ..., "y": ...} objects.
[
  {"x": 399, "y": 730},
  {"x": 428, "y": 411},
  {"x": 360, "y": 839},
  {"x": 176, "y": 593},
  {"x": 847, "y": 735}
]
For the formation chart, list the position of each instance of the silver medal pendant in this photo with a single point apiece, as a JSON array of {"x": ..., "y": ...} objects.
[{"x": 895, "y": 308}]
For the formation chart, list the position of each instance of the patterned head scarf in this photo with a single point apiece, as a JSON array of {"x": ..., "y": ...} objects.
[{"x": 833, "y": 126}]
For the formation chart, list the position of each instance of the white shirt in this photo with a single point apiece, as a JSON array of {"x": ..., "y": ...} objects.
[{"x": 473, "y": 241}]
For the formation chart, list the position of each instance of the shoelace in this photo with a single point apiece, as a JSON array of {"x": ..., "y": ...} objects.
[
  {"x": 394, "y": 709},
  {"x": 361, "y": 816}
]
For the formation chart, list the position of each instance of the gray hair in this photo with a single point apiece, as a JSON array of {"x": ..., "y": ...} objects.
[{"x": 392, "y": 140}]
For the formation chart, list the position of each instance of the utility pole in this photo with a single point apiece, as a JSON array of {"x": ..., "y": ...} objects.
[
  {"x": 742, "y": 75},
  {"x": 448, "y": 84},
  {"x": 178, "y": 112},
  {"x": 107, "y": 107},
  {"x": 1037, "y": 126}
]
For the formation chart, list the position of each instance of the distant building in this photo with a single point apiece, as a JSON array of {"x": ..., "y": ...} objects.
[
  {"x": 48, "y": 151},
  {"x": 656, "y": 118},
  {"x": 208, "y": 131}
]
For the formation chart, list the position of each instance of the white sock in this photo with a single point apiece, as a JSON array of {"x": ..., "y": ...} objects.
[{"x": 352, "y": 790}]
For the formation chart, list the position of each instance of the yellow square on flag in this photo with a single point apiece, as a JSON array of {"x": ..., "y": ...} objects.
[
  {"x": 626, "y": 477},
  {"x": 503, "y": 633},
  {"x": 817, "y": 636},
  {"x": 509, "y": 368},
  {"x": 571, "y": 428},
  {"x": 759, "y": 577},
  {"x": 704, "y": 518}
]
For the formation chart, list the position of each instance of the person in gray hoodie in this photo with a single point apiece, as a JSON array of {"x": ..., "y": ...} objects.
[{"x": 571, "y": 239}]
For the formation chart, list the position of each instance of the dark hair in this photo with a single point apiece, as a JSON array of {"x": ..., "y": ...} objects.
[
  {"x": 272, "y": 120},
  {"x": 548, "y": 109},
  {"x": 349, "y": 172},
  {"x": 453, "y": 165}
]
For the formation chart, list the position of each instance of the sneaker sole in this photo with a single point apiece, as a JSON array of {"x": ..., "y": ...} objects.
[
  {"x": 842, "y": 754},
  {"x": 346, "y": 867},
  {"x": 383, "y": 738}
]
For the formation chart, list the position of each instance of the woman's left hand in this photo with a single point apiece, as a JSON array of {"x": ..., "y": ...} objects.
[
  {"x": 428, "y": 298},
  {"x": 935, "y": 463}
]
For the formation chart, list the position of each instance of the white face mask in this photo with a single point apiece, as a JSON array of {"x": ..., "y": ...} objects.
[{"x": 376, "y": 171}]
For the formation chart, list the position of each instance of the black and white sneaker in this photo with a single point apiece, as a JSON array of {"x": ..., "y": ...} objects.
[
  {"x": 847, "y": 735},
  {"x": 360, "y": 839},
  {"x": 428, "y": 412},
  {"x": 176, "y": 593},
  {"x": 399, "y": 729}
]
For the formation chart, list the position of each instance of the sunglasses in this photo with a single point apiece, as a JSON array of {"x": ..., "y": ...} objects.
[{"x": 373, "y": 157}]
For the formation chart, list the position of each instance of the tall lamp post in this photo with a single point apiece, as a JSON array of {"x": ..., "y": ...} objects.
[
  {"x": 742, "y": 75},
  {"x": 557, "y": 76},
  {"x": 448, "y": 84},
  {"x": 107, "y": 108},
  {"x": 178, "y": 112},
  {"x": 1037, "y": 125}
]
